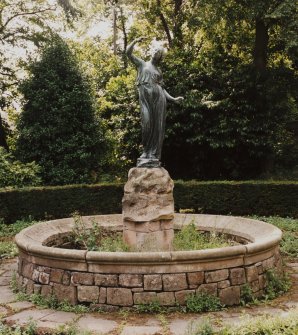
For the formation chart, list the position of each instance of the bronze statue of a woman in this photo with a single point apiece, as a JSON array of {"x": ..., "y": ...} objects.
[{"x": 153, "y": 101}]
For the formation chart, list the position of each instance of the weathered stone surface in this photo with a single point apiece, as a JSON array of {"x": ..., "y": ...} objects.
[
  {"x": 46, "y": 290},
  {"x": 66, "y": 278},
  {"x": 268, "y": 263},
  {"x": 262, "y": 281},
  {"x": 56, "y": 275},
  {"x": 259, "y": 265},
  {"x": 36, "y": 288},
  {"x": 30, "y": 287},
  {"x": 152, "y": 283},
  {"x": 68, "y": 293},
  {"x": 35, "y": 275},
  {"x": 195, "y": 278},
  {"x": 144, "y": 297},
  {"x": 88, "y": 293},
  {"x": 148, "y": 195},
  {"x": 230, "y": 296},
  {"x": 215, "y": 276},
  {"x": 223, "y": 284},
  {"x": 133, "y": 280},
  {"x": 174, "y": 282},
  {"x": 82, "y": 278},
  {"x": 141, "y": 330},
  {"x": 96, "y": 325},
  {"x": 44, "y": 278},
  {"x": 252, "y": 273},
  {"x": 119, "y": 296},
  {"x": 105, "y": 280},
  {"x": 237, "y": 276},
  {"x": 181, "y": 296},
  {"x": 102, "y": 295},
  {"x": 166, "y": 298},
  {"x": 27, "y": 270},
  {"x": 208, "y": 288},
  {"x": 255, "y": 286}
]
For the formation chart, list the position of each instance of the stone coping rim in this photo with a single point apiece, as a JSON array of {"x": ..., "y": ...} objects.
[{"x": 31, "y": 246}]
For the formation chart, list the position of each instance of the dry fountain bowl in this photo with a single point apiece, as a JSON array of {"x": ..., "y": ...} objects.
[{"x": 116, "y": 279}]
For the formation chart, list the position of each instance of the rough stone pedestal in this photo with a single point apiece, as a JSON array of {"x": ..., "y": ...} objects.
[{"x": 148, "y": 209}]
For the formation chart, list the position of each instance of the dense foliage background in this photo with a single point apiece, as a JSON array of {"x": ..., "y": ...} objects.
[{"x": 234, "y": 62}]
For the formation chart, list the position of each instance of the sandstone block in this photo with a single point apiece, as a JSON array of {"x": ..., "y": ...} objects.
[
  {"x": 166, "y": 298},
  {"x": 255, "y": 287},
  {"x": 56, "y": 275},
  {"x": 260, "y": 267},
  {"x": 144, "y": 297},
  {"x": 68, "y": 293},
  {"x": 223, "y": 284},
  {"x": 88, "y": 293},
  {"x": 66, "y": 278},
  {"x": 152, "y": 283},
  {"x": 35, "y": 275},
  {"x": 102, "y": 295},
  {"x": 237, "y": 276},
  {"x": 36, "y": 288},
  {"x": 105, "y": 280},
  {"x": 262, "y": 281},
  {"x": 30, "y": 287},
  {"x": 46, "y": 290},
  {"x": 82, "y": 278},
  {"x": 27, "y": 270},
  {"x": 215, "y": 276},
  {"x": 268, "y": 263},
  {"x": 174, "y": 282},
  {"x": 230, "y": 296},
  {"x": 119, "y": 296},
  {"x": 44, "y": 278},
  {"x": 131, "y": 280},
  {"x": 148, "y": 195},
  {"x": 208, "y": 289},
  {"x": 252, "y": 273},
  {"x": 181, "y": 296},
  {"x": 195, "y": 278}
]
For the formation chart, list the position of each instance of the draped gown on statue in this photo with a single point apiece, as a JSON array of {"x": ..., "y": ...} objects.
[{"x": 153, "y": 107}]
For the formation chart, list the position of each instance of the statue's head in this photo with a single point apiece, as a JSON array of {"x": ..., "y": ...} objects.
[{"x": 157, "y": 51}]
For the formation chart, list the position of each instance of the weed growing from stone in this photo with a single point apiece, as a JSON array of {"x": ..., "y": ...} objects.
[
  {"x": 189, "y": 238},
  {"x": 52, "y": 303},
  {"x": 95, "y": 238},
  {"x": 203, "y": 327},
  {"x": 153, "y": 307},
  {"x": 202, "y": 302},
  {"x": 29, "y": 329},
  {"x": 277, "y": 284}
]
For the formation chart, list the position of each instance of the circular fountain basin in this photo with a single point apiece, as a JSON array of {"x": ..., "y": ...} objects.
[{"x": 114, "y": 279}]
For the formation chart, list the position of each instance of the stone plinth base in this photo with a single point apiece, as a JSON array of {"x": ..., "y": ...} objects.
[{"x": 148, "y": 209}]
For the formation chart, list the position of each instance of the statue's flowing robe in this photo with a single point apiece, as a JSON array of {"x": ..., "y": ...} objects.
[{"x": 153, "y": 109}]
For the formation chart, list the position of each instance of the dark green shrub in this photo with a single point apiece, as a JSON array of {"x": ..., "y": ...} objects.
[
  {"x": 235, "y": 198},
  {"x": 57, "y": 128}
]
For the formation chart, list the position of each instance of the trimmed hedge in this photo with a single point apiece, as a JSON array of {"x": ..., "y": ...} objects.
[{"x": 224, "y": 197}]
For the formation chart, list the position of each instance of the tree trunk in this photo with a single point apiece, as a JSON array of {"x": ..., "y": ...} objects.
[
  {"x": 261, "y": 46},
  {"x": 115, "y": 32},
  {"x": 164, "y": 22},
  {"x": 3, "y": 142},
  {"x": 177, "y": 30}
]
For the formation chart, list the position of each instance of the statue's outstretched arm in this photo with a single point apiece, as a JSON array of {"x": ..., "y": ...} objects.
[
  {"x": 170, "y": 98},
  {"x": 136, "y": 60}
]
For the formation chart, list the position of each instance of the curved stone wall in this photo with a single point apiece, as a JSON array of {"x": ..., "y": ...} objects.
[{"x": 115, "y": 279}]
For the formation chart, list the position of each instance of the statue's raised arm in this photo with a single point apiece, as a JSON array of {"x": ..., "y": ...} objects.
[
  {"x": 153, "y": 102},
  {"x": 129, "y": 52}
]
